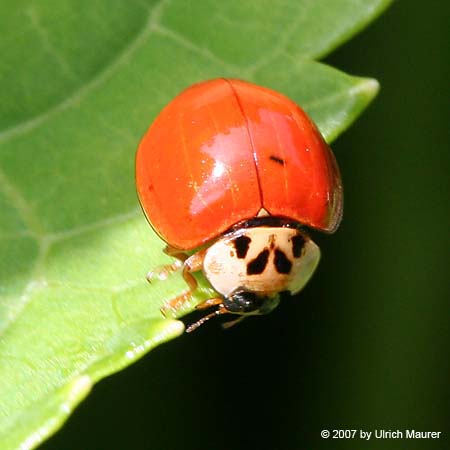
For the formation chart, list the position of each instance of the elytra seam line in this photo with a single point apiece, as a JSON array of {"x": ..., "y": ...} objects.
[{"x": 255, "y": 158}]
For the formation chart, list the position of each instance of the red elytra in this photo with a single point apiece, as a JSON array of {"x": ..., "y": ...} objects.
[{"x": 224, "y": 149}]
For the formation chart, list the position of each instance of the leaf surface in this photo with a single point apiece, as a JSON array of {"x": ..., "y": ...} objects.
[{"x": 80, "y": 84}]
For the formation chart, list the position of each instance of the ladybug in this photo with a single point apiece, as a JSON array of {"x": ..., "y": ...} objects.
[{"x": 230, "y": 175}]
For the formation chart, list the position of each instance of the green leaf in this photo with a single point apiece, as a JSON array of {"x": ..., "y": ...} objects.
[{"x": 80, "y": 83}]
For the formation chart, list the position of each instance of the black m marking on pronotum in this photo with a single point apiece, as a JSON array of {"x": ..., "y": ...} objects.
[
  {"x": 298, "y": 242},
  {"x": 241, "y": 244},
  {"x": 257, "y": 265},
  {"x": 282, "y": 263}
]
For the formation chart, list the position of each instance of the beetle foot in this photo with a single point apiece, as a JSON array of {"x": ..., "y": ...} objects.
[
  {"x": 172, "y": 307},
  {"x": 163, "y": 272}
]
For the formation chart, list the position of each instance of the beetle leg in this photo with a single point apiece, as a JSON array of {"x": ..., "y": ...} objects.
[
  {"x": 210, "y": 302},
  {"x": 171, "y": 307},
  {"x": 175, "y": 253},
  {"x": 192, "y": 264},
  {"x": 163, "y": 272}
]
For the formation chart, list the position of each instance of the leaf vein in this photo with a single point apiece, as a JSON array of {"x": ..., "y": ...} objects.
[
  {"x": 190, "y": 45},
  {"x": 67, "y": 234},
  {"x": 367, "y": 85},
  {"x": 94, "y": 83},
  {"x": 44, "y": 38},
  {"x": 21, "y": 205},
  {"x": 283, "y": 41}
]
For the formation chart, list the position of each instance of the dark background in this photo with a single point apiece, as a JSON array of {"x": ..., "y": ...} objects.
[{"x": 365, "y": 346}]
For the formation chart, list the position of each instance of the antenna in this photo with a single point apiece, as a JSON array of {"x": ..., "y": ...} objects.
[{"x": 195, "y": 325}]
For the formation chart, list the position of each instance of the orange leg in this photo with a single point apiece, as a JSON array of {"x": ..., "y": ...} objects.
[
  {"x": 210, "y": 302},
  {"x": 171, "y": 307},
  {"x": 175, "y": 253},
  {"x": 163, "y": 272},
  {"x": 192, "y": 264}
]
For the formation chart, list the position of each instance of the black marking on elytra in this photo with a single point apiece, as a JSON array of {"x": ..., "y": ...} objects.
[
  {"x": 257, "y": 265},
  {"x": 298, "y": 241},
  {"x": 282, "y": 263},
  {"x": 278, "y": 160},
  {"x": 241, "y": 245}
]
